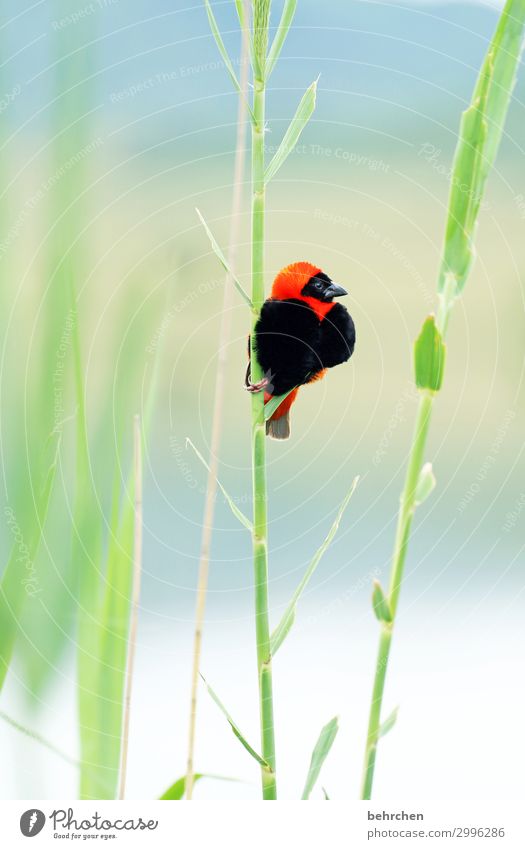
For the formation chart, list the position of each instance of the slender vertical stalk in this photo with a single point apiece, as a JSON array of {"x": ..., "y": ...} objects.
[
  {"x": 480, "y": 133},
  {"x": 404, "y": 524},
  {"x": 135, "y": 599},
  {"x": 406, "y": 513},
  {"x": 260, "y": 523},
  {"x": 218, "y": 404}
]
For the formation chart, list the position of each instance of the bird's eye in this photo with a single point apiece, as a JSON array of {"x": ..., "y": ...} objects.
[{"x": 318, "y": 284}]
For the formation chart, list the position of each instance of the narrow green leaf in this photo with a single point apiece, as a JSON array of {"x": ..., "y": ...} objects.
[
  {"x": 114, "y": 619},
  {"x": 388, "y": 724},
  {"x": 221, "y": 46},
  {"x": 105, "y": 619},
  {"x": 291, "y": 137},
  {"x": 224, "y": 262},
  {"x": 288, "y": 618},
  {"x": 319, "y": 755},
  {"x": 37, "y": 738},
  {"x": 274, "y": 402},
  {"x": 99, "y": 772},
  {"x": 231, "y": 503},
  {"x": 261, "y": 21},
  {"x": 425, "y": 484},
  {"x": 245, "y": 28},
  {"x": 429, "y": 357},
  {"x": 380, "y": 604},
  {"x": 280, "y": 36},
  {"x": 19, "y": 579},
  {"x": 178, "y": 788},
  {"x": 502, "y": 61},
  {"x": 235, "y": 727},
  {"x": 224, "y": 53},
  {"x": 283, "y": 628},
  {"x": 465, "y": 198},
  {"x": 325, "y": 794},
  {"x": 480, "y": 134}
]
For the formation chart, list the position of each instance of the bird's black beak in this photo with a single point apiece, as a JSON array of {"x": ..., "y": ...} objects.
[{"x": 334, "y": 291}]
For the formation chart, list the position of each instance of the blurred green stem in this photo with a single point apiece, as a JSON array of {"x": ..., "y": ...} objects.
[
  {"x": 406, "y": 513},
  {"x": 404, "y": 523},
  {"x": 260, "y": 523},
  {"x": 135, "y": 599},
  {"x": 218, "y": 407}
]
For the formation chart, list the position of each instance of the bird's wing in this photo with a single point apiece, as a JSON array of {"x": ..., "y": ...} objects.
[
  {"x": 337, "y": 337},
  {"x": 286, "y": 340}
]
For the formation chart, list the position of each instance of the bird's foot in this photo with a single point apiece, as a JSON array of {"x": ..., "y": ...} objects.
[{"x": 257, "y": 387}]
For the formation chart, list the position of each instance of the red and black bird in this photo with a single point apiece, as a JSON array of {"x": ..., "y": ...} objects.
[{"x": 300, "y": 333}]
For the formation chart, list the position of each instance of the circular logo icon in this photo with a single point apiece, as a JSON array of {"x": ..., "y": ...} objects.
[{"x": 32, "y": 822}]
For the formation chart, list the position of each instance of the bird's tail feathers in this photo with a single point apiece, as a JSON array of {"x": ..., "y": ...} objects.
[{"x": 279, "y": 428}]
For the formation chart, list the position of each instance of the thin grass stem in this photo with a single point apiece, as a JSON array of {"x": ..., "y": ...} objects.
[
  {"x": 135, "y": 600},
  {"x": 406, "y": 513},
  {"x": 260, "y": 521},
  {"x": 218, "y": 408},
  {"x": 42, "y": 741},
  {"x": 480, "y": 133}
]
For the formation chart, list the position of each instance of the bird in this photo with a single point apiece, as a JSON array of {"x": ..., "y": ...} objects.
[{"x": 300, "y": 333}]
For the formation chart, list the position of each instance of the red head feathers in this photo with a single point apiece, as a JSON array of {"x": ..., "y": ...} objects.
[
  {"x": 291, "y": 281},
  {"x": 294, "y": 345}
]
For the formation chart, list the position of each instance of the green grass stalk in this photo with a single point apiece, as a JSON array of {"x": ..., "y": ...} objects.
[
  {"x": 135, "y": 600},
  {"x": 218, "y": 406},
  {"x": 260, "y": 520},
  {"x": 480, "y": 133},
  {"x": 406, "y": 513},
  {"x": 262, "y": 65}
]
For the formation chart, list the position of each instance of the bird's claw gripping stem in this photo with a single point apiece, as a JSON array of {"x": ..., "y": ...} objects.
[{"x": 256, "y": 387}]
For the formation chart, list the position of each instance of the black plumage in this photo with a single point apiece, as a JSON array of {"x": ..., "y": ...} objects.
[
  {"x": 300, "y": 333},
  {"x": 294, "y": 344}
]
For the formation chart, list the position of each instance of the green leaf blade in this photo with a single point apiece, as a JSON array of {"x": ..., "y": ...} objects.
[
  {"x": 426, "y": 484},
  {"x": 388, "y": 724},
  {"x": 14, "y": 590},
  {"x": 275, "y": 401},
  {"x": 479, "y": 138},
  {"x": 288, "y": 618},
  {"x": 176, "y": 792},
  {"x": 221, "y": 46},
  {"x": 380, "y": 604},
  {"x": 283, "y": 629},
  {"x": 319, "y": 755},
  {"x": 231, "y": 503},
  {"x": 291, "y": 137},
  {"x": 429, "y": 357},
  {"x": 224, "y": 262},
  {"x": 235, "y": 728},
  {"x": 280, "y": 36}
]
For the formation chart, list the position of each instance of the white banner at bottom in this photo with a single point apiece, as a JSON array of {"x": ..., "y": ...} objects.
[{"x": 200, "y": 825}]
